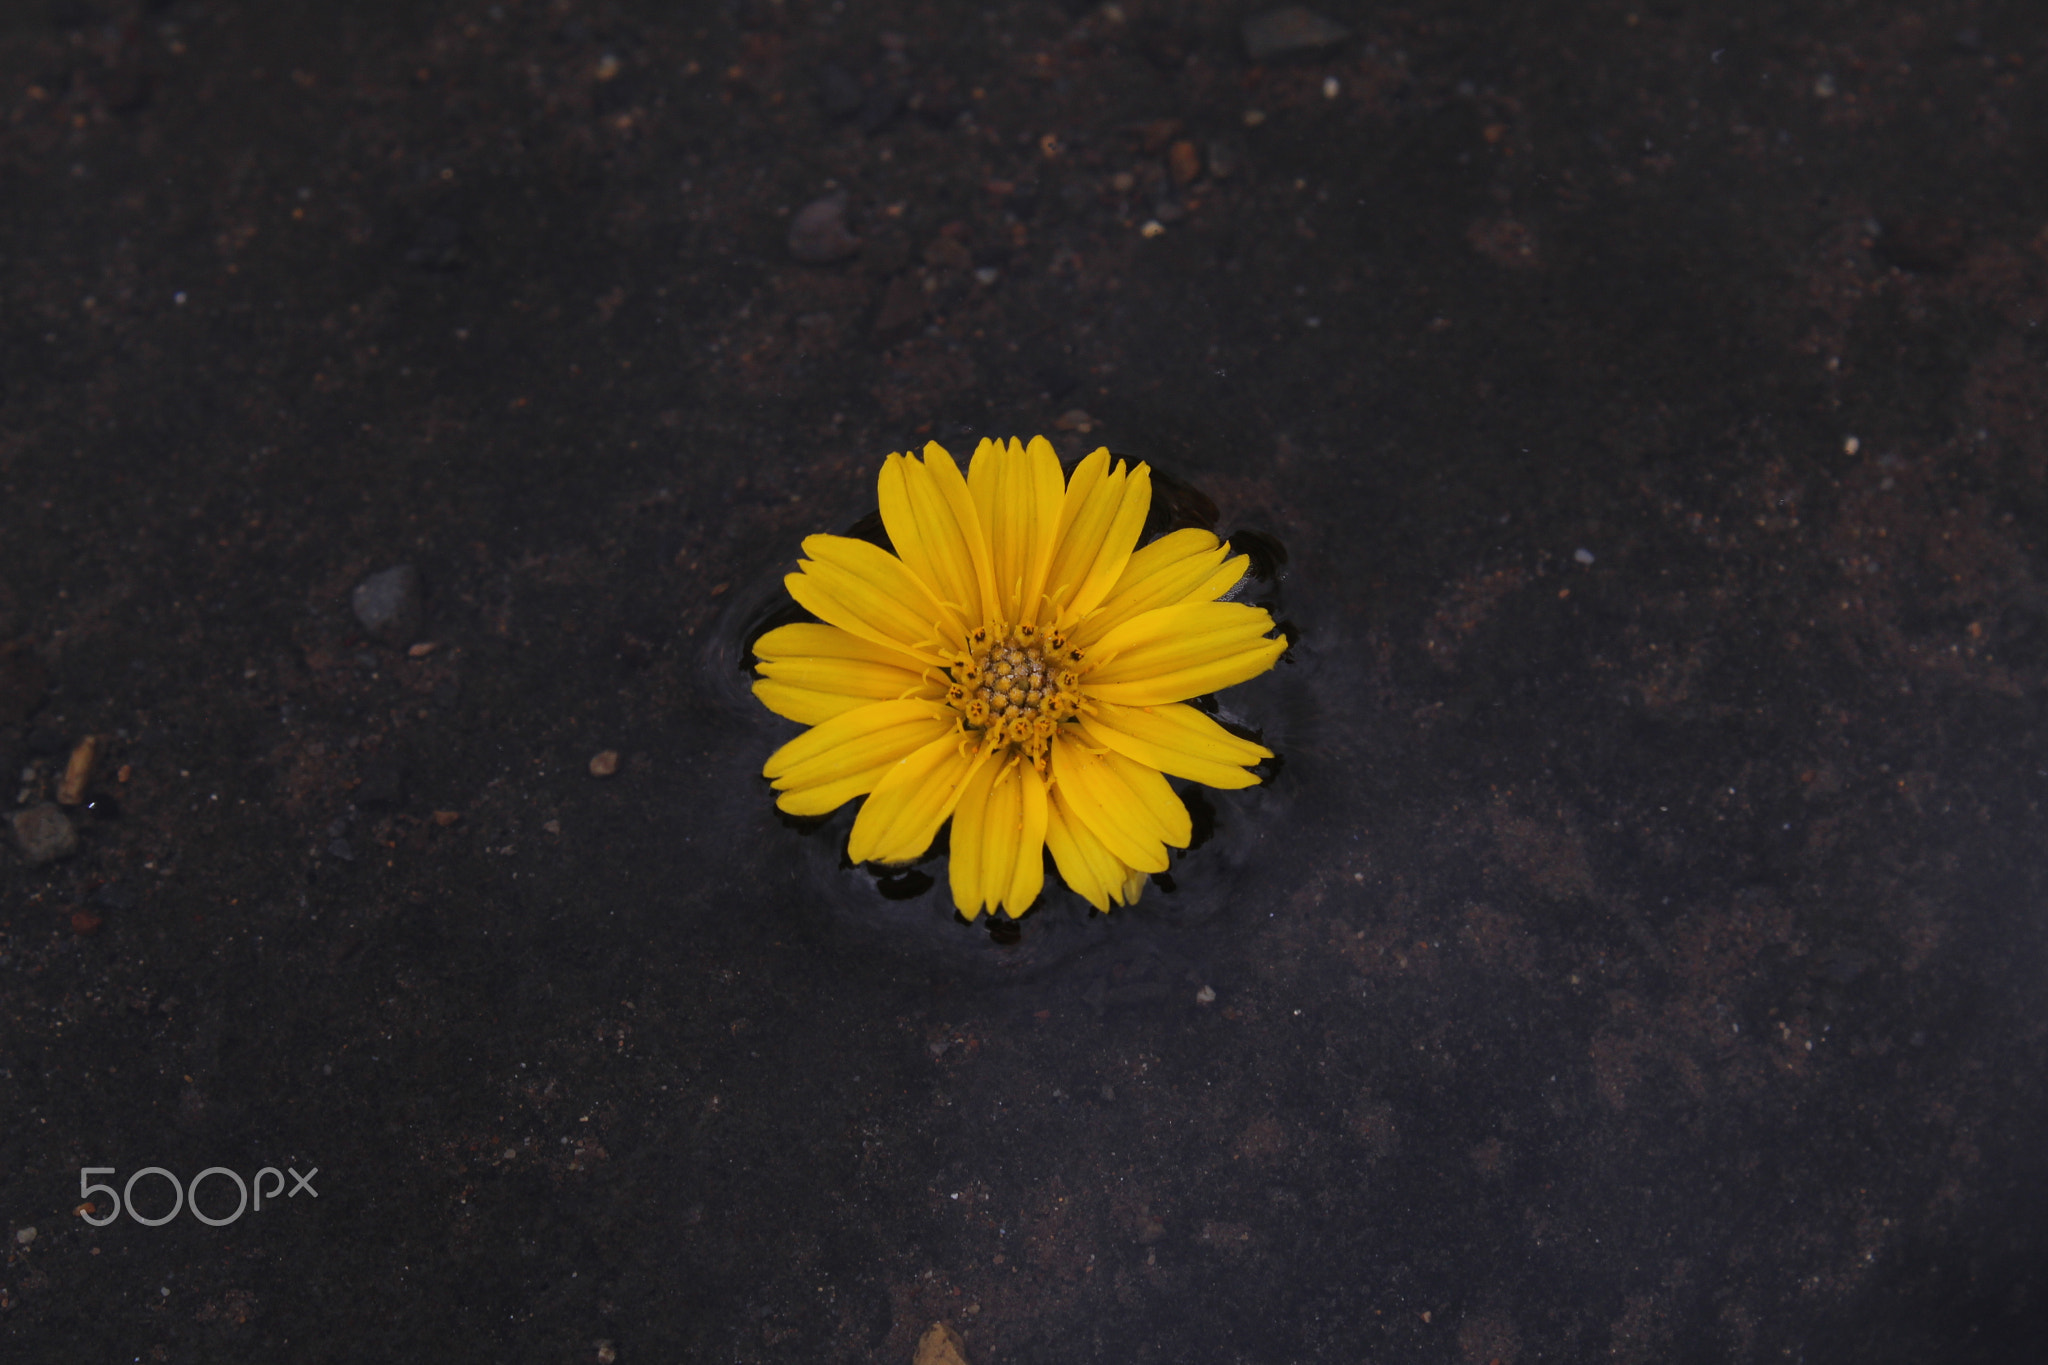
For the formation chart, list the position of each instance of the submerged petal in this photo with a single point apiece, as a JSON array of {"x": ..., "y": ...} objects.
[
  {"x": 997, "y": 856},
  {"x": 1176, "y": 739}
]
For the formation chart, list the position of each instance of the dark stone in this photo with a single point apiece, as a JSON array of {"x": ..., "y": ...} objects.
[
  {"x": 839, "y": 94},
  {"x": 383, "y": 783},
  {"x": 23, "y": 681},
  {"x": 436, "y": 245},
  {"x": 45, "y": 741},
  {"x": 902, "y": 310},
  {"x": 1922, "y": 246},
  {"x": 115, "y": 896},
  {"x": 879, "y": 109},
  {"x": 884, "y": 253}
]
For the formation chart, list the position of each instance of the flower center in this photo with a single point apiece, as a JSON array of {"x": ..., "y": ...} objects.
[{"x": 1016, "y": 688}]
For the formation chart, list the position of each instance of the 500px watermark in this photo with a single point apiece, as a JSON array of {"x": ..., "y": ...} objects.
[{"x": 183, "y": 1196}]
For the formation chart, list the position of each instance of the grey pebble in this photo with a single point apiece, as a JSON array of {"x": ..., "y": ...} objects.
[
  {"x": 388, "y": 604},
  {"x": 44, "y": 834},
  {"x": 1226, "y": 156},
  {"x": 818, "y": 235},
  {"x": 1287, "y": 30}
]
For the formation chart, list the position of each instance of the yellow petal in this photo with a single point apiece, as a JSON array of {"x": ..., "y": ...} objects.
[
  {"x": 858, "y": 742},
  {"x": 1100, "y": 520},
  {"x": 1187, "y": 565},
  {"x": 997, "y": 859},
  {"x": 1174, "y": 637},
  {"x": 1029, "y": 877},
  {"x": 808, "y": 639},
  {"x": 904, "y": 811},
  {"x": 948, "y": 484},
  {"x": 797, "y": 661},
  {"x": 1177, "y": 740},
  {"x": 869, "y": 593},
  {"x": 966, "y": 850},
  {"x": 803, "y": 706},
  {"x": 1084, "y": 863},
  {"x": 1017, "y": 492},
  {"x": 933, "y": 525},
  {"x": 829, "y": 796},
  {"x": 850, "y": 677},
  {"x": 1164, "y": 814},
  {"x": 1097, "y": 796},
  {"x": 1195, "y": 680}
]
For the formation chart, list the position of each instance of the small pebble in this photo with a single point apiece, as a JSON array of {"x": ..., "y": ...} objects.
[
  {"x": 77, "y": 772},
  {"x": 940, "y": 1345},
  {"x": 604, "y": 764},
  {"x": 44, "y": 834},
  {"x": 1226, "y": 156},
  {"x": 1288, "y": 30},
  {"x": 1183, "y": 162},
  {"x": 387, "y": 604},
  {"x": 818, "y": 235},
  {"x": 948, "y": 253},
  {"x": 1206, "y": 996},
  {"x": 1583, "y": 555},
  {"x": 25, "y": 1237}
]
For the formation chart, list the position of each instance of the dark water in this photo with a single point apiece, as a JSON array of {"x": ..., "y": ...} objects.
[{"x": 1636, "y": 953}]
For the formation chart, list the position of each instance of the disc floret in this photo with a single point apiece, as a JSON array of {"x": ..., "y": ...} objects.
[{"x": 1016, "y": 687}]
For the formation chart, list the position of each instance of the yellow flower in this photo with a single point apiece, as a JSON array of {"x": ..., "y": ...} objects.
[{"x": 1018, "y": 666}]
